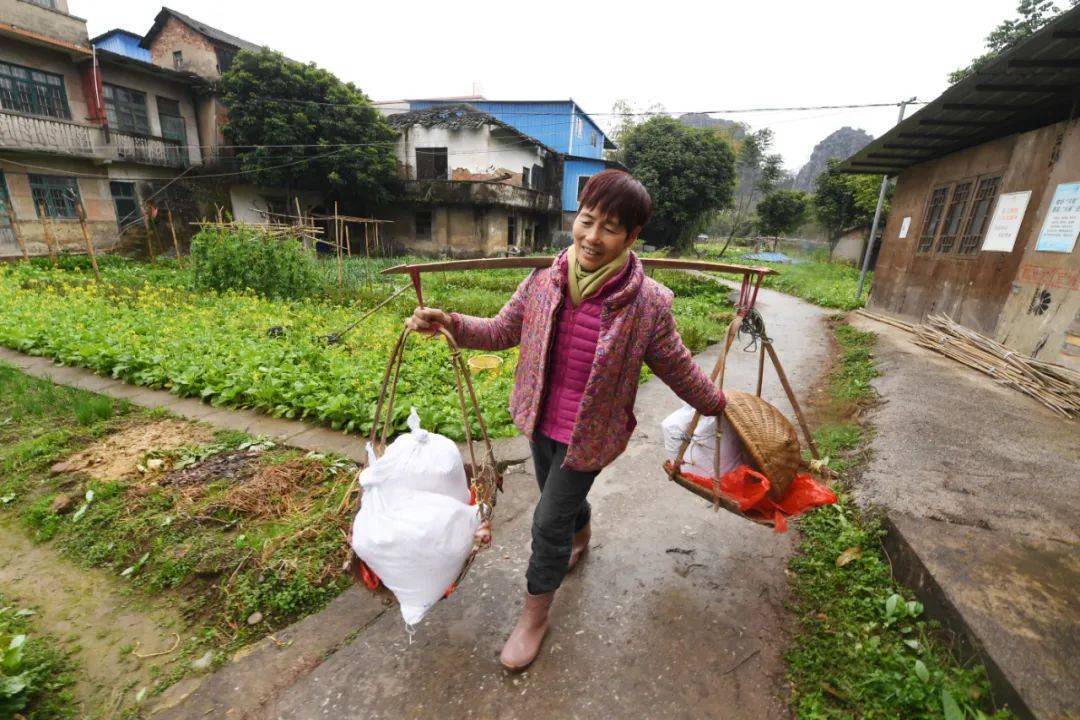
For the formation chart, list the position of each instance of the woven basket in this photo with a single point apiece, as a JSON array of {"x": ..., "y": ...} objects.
[{"x": 768, "y": 437}]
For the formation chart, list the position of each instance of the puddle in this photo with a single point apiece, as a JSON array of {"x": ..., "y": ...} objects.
[{"x": 92, "y": 619}]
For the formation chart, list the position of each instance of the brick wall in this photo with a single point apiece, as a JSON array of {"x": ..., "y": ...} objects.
[{"x": 199, "y": 55}]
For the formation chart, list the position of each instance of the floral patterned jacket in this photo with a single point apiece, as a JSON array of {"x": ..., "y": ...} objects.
[{"x": 636, "y": 326}]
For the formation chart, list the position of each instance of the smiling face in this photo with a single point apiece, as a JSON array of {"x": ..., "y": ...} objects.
[{"x": 599, "y": 238}]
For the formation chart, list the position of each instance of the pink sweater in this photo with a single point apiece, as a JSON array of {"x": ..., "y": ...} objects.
[
  {"x": 576, "y": 335},
  {"x": 636, "y": 326}
]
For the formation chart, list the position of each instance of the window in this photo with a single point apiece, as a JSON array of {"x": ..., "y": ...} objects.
[
  {"x": 50, "y": 4},
  {"x": 933, "y": 218},
  {"x": 172, "y": 128},
  {"x": 431, "y": 163},
  {"x": 127, "y": 203},
  {"x": 537, "y": 177},
  {"x": 593, "y": 139},
  {"x": 32, "y": 91},
  {"x": 954, "y": 217},
  {"x": 422, "y": 220},
  {"x": 582, "y": 179},
  {"x": 979, "y": 218},
  {"x": 511, "y": 230},
  {"x": 525, "y": 177},
  {"x": 7, "y": 235},
  {"x": 59, "y": 195},
  {"x": 224, "y": 58},
  {"x": 126, "y": 109},
  {"x": 178, "y": 59}
]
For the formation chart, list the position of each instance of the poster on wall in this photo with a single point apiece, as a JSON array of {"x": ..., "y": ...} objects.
[
  {"x": 1062, "y": 223},
  {"x": 1005, "y": 224},
  {"x": 904, "y": 226}
]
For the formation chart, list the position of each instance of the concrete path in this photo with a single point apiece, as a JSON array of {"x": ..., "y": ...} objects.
[{"x": 979, "y": 483}]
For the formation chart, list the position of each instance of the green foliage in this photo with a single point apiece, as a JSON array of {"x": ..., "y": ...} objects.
[
  {"x": 843, "y": 201},
  {"x": 1032, "y": 15},
  {"x": 863, "y": 648},
  {"x": 242, "y": 258},
  {"x": 34, "y": 674},
  {"x": 327, "y": 134},
  {"x": 688, "y": 172},
  {"x": 782, "y": 211}
]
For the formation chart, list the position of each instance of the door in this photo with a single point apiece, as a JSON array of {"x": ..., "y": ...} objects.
[{"x": 8, "y": 245}]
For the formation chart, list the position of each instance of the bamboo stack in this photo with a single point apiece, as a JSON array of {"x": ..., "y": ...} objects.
[{"x": 1055, "y": 386}]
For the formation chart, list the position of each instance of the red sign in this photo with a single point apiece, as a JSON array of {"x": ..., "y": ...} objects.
[{"x": 1050, "y": 277}]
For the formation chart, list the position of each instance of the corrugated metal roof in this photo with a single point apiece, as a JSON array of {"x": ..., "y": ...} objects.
[{"x": 1033, "y": 84}]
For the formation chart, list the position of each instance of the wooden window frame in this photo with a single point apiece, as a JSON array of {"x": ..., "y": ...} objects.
[
  {"x": 926, "y": 243},
  {"x": 511, "y": 230},
  {"x": 33, "y": 92},
  {"x": 971, "y": 239},
  {"x": 417, "y": 224},
  {"x": 126, "y": 219},
  {"x": 967, "y": 241},
  {"x": 51, "y": 191},
  {"x": 428, "y": 163},
  {"x": 125, "y": 112},
  {"x": 947, "y": 243}
]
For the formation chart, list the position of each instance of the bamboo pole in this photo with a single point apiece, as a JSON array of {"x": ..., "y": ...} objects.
[
  {"x": 367, "y": 257},
  {"x": 348, "y": 242},
  {"x": 17, "y": 232},
  {"x": 337, "y": 241},
  {"x": 146, "y": 227},
  {"x": 89, "y": 244},
  {"x": 175, "y": 243},
  {"x": 48, "y": 234}
]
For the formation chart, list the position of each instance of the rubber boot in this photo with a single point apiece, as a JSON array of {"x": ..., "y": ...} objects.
[
  {"x": 580, "y": 545},
  {"x": 523, "y": 645}
]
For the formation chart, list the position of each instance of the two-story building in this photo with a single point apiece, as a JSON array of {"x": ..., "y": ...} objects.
[
  {"x": 83, "y": 129},
  {"x": 561, "y": 125},
  {"x": 474, "y": 185}
]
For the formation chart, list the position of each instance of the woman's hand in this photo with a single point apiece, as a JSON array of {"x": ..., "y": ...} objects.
[{"x": 427, "y": 320}]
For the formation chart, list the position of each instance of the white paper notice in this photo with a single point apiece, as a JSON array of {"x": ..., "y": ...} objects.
[
  {"x": 1062, "y": 223},
  {"x": 1005, "y": 224},
  {"x": 904, "y": 227}
]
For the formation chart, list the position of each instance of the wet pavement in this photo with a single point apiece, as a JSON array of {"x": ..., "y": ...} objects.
[{"x": 676, "y": 612}]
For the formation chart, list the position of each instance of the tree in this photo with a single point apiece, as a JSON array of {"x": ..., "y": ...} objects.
[
  {"x": 843, "y": 201},
  {"x": 759, "y": 172},
  {"x": 1033, "y": 14},
  {"x": 298, "y": 126},
  {"x": 782, "y": 211},
  {"x": 689, "y": 172}
]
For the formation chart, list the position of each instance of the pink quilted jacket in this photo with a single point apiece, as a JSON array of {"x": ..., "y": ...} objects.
[{"x": 636, "y": 326}]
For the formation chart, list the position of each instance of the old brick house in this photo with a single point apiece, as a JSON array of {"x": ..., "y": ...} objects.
[
  {"x": 986, "y": 213},
  {"x": 83, "y": 130}
]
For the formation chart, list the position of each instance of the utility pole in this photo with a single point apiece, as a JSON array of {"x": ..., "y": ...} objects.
[{"x": 877, "y": 213}]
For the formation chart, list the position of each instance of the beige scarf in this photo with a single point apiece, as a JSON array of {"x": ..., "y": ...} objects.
[{"x": 583, "y": 283}]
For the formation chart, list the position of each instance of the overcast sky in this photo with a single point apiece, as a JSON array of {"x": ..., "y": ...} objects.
[{"x": 688, "y": 56}]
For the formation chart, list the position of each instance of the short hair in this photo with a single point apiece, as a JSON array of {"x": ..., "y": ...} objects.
[{"x": 618, "y": 193}]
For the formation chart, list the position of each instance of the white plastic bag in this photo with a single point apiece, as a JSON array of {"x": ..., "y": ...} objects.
[
  {"x": 415, "y": 527},
  {"x": 415, "y": 541},
  {"x": 700, "y": 457},
  {"x": 422, "y": 460}
]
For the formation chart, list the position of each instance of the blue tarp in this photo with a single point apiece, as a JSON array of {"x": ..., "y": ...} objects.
[{"x": 774, "y": 257}]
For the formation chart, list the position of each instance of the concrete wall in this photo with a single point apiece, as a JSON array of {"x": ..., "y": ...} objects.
[
  {"x": 988, "y": 291},
  {"x": 572, "y": 170},
  {"x": 459, "y": 231},
  {"x": 248, "y": 200},
  {"x": 155, "y": 87},
  {"x": 200, "y": 56},
  {"x": 54, "y": 23},
  {"x": 851, "y": 245},
  {"x": 52, "y": 61},
  {"x": 66, "y": 234},
  {"x": 472, "y": 153}
]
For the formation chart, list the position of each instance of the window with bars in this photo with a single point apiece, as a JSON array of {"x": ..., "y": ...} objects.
[
  {"x": 34, "y": 92},
  {"x": 58, "y": 195},
  {"x": 126, "y": 109},
  {"x": 950, "y": 229},
  {"x": 932, "y": 220},
  {"x": 172, "y": 128},
  {"x": 511, "y": 230},
  {"x": 431, "y": 163},
  {"x": 979, "y": 218},
  {"x": 126, "y": 202},
  {"x": 537, "y": 177}
]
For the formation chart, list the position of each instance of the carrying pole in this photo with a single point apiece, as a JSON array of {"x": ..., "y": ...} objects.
[{"x": 877, "y": 213}]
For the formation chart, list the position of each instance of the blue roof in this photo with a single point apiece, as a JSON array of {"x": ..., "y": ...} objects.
[{"x": 122, "y": 42}]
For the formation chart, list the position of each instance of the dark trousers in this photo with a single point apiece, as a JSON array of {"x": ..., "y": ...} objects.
[{"x": 561, "y": 512}]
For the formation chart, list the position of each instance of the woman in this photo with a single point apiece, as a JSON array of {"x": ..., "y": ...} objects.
[{"x": 585, "y": 325}]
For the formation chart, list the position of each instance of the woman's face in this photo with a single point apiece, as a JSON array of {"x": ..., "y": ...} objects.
[{"x": 599, "y": 238}]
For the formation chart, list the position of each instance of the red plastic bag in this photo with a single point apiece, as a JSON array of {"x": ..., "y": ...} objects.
[{"x": 749, "y": 489}]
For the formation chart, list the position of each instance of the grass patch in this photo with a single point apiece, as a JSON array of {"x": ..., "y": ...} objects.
[
  {"x": 863, "y": 648},
  {"x": 34, "y": 674}
]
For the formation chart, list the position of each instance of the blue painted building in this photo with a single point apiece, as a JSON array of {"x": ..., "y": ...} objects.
[
  {"x": 561, "y": 125},
  {"x": 122, "y": 42}
]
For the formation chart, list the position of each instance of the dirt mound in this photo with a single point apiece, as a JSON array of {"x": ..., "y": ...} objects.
[
  {"x": 118, "y": 456},
  {"x": 273, "y": 491},
  {"x": 237, "y": 466}
]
